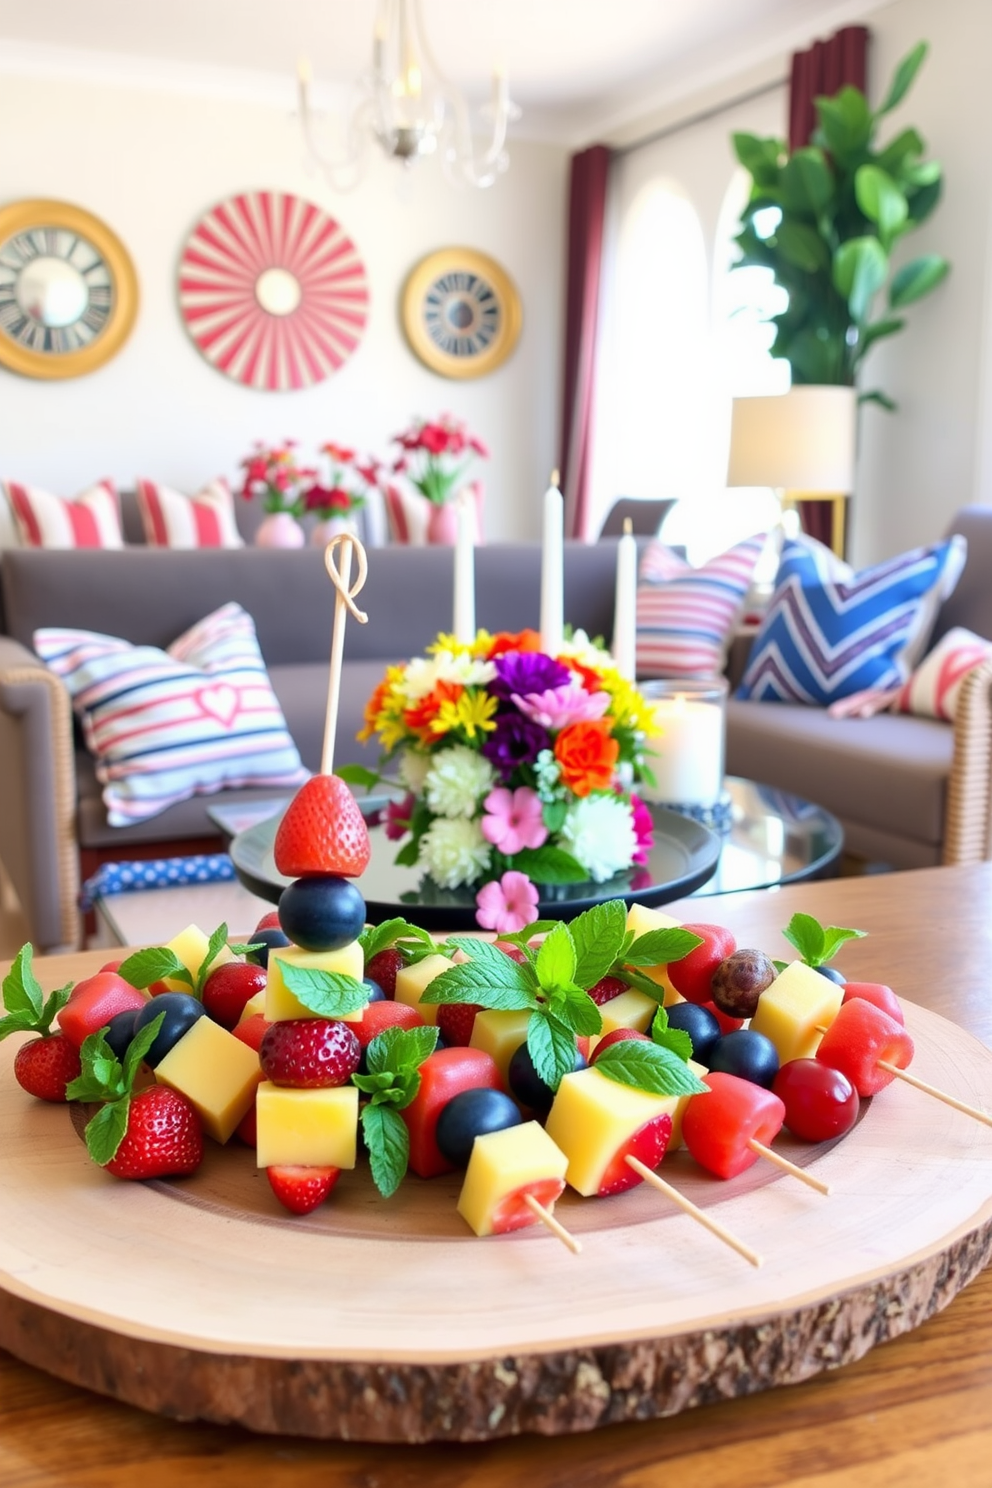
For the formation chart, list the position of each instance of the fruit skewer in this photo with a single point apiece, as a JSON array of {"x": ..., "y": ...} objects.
[{"x": 693, "y": 1211}]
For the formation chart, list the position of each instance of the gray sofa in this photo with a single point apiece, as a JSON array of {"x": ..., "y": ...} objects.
[{"x": 909, "y": 791}]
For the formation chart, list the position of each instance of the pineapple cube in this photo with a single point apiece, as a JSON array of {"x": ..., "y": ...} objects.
[
  {"x": 254, "y": 1005},
  {"x": 500, "y": 1035},
  {"x": 189, "y": 947},
  {"x": 593, "y": 1118},
  {"x": 216, "y": 1072},
  {"x": 678, "y": 1105},
  {"x": 412, "y": 982},
  {"x": 316, "y": 1128},
  {"x": 640, "y": 919},
  {"x": 280, "y": 1002},
  {"x": 790, "y": 1009},
  {"x": 632, "y": 1009},
  {"x": 503, "y": 1163}
]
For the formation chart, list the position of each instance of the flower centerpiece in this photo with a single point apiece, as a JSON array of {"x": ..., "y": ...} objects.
[
  {"x": 275, "y": 474},
  {"x": 519, "y": 767},
  {"x": 349, "y": 479}
]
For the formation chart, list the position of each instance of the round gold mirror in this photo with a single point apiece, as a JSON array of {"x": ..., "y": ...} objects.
[
  {"x": 68, "y": 290},
  {"x": 461, "y": 312}
]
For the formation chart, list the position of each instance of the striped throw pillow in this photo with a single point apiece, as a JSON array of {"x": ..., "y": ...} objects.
[
  {"x": 830, "y": 632},
  {"x": 686, "y": 616},
  {"x": 172, "y": 520},
  {"x": 167, "y": 725},
  {"x": 91, "y": 520},
  {"x": 934, "y": 688}
]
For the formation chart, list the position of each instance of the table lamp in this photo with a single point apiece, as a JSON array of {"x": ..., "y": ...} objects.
[{"x": 800, "y": 442}]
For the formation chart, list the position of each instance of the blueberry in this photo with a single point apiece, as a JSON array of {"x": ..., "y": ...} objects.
[
  {"x": 181, "y": 1012},
  {"x": 321, "y": 913},
  {"x": 376, "y": 993},
  {"x": 120, "y": 1031},
  {"x": 748, "y": 1055},
  {"x": 527, "y": 1084},
  {"x": 833, "y": 975},
  {"x": 471, "y": 1114},
  {"x": 701, "y": 1026},
  {"x": 266, "y": 940}
]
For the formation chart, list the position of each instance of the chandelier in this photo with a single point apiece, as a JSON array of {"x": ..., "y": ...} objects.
[{"x": 407, "y": 105}]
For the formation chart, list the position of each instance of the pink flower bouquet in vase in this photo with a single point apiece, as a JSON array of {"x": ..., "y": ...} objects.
[
  {"x": 435, "y": 458},
  {"x": 274, "y": 474},
  {"x": 336, "y": 503},
  {"x": 519, "y": 768}
]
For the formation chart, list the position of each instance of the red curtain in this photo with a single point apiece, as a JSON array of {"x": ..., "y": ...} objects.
[
  {"x": 839, "y": 62},
  {"x": 588, "y": 181}
]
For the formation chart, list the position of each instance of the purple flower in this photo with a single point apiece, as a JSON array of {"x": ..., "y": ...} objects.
[
  {"x": 515, "y": 741},
  {"x": 527, "y": 671}
]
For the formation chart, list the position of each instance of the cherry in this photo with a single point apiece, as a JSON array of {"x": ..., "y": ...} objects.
[
  {"x": 820, "y": 1102},
  {"x": 229, "y": 987}
]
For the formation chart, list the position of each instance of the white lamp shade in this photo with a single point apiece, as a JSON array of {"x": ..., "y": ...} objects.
[{"x": 802, "y": 440}]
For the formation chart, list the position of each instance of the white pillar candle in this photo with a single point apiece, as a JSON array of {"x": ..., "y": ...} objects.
[
  {"x": 686, "y": 754},
  {"x": 464, "y": 616},
  {"x": 552, "y": 570},
  {"x": 625, "y": 605}
]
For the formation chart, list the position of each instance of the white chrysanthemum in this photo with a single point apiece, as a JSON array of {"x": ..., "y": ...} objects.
[
  {"x": 457, "y": 780},
  {"x": 583, "y": 649},
  {"x": 454, "y": 851},
  {"x": 420, "y": 678},
  {"x": 464, "y": 668},
  {"x": 412, "y": 767},
  {"x": 599, "y": 832}
]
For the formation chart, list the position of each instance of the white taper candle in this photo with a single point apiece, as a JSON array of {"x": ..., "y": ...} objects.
[
  {"x": 464, "y": 617},
  {"x": 552, "y": 565},
  {"x": 625, "y": 605}
]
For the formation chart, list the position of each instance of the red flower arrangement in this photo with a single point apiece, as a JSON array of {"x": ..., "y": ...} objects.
[
  {"x": 349, "y": 480},
  {"x": 427, "y": 453},
  {"x": 274, "y": 474}
]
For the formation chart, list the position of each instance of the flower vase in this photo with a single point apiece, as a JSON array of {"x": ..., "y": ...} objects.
[
  {"x": 442, "y": 523},
  {"x": 330, "y": 527},
  {"x": 280, "y": 530}
]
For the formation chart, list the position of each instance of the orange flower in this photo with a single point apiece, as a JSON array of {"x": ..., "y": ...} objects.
[
  {"x": 592, "y": 680},
  {"x": 420, "y": 717},
  {"x": 507, "y": 640},
  {"x": 587, "y": 756},
  {"x": 373, "y": 708}
]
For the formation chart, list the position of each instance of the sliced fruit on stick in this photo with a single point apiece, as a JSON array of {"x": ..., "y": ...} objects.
[
  {"x": 323, "y": 831},
  {"x": 866, "y": 1045},
  {"x": 506, "y": 1168}
]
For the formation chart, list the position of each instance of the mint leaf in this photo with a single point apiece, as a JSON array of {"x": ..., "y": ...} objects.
[
  {"x": 151, "y": 965},
  {"x": 358, "y": 775},
  {"x": 555, "y": 963},
  {"x": 675, "y": 1039},
  {"x": 575, "y": 1009},
  {"x": 16, "y": 1023},
  {"x": 415, "y": 951},
  {"x": 400, "y": 1049},
  {"x": 490, "y": 979},
  {"x": 648, "y": 1067},
  {"x": 598, "y": 935},
  {"x": 640, "y": 982},
  {"x": 552, "y": 1048},
  {"x": 522, "y": 938},
  {"x": 388, "y": 1143},
  {"x": 215, "y": 945},
  {"x": 806, "y": 934},
  {"x": 105, "y": 1132},
  {"x": 101, "y": 1076},
  {"x": 548, "y": 865},
  {"x": 21, "y": 988},
  {"x": 245, "y": 950},
  {"x": 834, "y": 937},
  {"x": 326, "y": 994},
  {"x": 376, "y": 938},
  {"x": 372, "y": 1084},
  {"x": 138, "y": 1048},
  {"x": 660, "y": 947}
]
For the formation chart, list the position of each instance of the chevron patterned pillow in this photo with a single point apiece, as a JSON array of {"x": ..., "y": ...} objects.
[{"x": 830, "y": 632}]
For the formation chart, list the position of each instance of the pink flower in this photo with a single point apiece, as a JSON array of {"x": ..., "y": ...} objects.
[
  {"x": 643, "y": 829},
  {"x": 398, "y": 814},
  {"x": 514, "y": 820},
  {"x": 560, "y": 706},
  {"x": 507, "y": 904}
]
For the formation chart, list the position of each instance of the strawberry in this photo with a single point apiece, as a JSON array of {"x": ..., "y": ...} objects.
[
  {"x": 381, "y": 1015},
  {"x": 455, "y": 1021},
  {"x": 617, "y": 1036},
  {"x": 299, "y": 1188},
  {"x": 323, "y": 831},
  {"x": 383, "y": 966},
  {"x": 164, "y": 1137},
  {"x": 309, "y": 1053},
  {"x": 606, "y": 989},
  {"x": 44, "y": 1066},
  {"x": 227, "y": 989},
  {"x": 268, "y": 921}
]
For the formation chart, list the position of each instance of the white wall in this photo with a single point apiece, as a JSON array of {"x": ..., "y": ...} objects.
[{"x": 150, "y": 162}]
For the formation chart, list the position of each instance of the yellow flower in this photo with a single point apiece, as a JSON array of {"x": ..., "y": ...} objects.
[
  {"x": 448, "y": 643},
  {"x": 472, "y": 713},
  {"x": 384, "y": 710},
  {"x": 627, "y": 706}
]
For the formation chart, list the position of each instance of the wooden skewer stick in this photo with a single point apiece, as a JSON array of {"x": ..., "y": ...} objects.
[
  {"x": 344, "y": 600},
  {"x": 550, "y": 1223},
  {"x": 688, "y": 1207},
  {"x": 941, "y": 1095},
  {"x": 787, "y": 1166}
]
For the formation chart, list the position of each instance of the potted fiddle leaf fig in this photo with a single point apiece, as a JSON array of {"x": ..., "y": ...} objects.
[{"x": 826, "y": 220}]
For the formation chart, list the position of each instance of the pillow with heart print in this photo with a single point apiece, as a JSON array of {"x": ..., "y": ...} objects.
[{"x": 166, "y": 725}]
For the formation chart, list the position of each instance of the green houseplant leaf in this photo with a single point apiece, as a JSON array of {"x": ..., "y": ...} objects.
[{"x": 916, "y": 279}]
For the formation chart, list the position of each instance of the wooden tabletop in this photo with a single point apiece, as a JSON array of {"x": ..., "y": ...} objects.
[{"x": 917, "y": 1411}]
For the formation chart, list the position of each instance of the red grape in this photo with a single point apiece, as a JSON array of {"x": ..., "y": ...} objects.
[{"x": 820, "y": 1102}]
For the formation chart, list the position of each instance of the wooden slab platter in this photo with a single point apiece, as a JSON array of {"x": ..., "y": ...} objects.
[{"x": 388, "y": 1321}]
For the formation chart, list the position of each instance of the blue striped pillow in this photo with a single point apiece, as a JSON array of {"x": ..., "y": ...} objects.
[
  {"x": 830, "y": 632},
  {"x": 167, "y": 725}
]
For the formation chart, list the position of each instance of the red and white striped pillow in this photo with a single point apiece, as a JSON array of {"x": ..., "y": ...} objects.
[
  {"x": 91, "y": 520},
  {"x": 686, "y": 616},
  {"x": 172, "y": 520},
  {"x": 933, "y": 689},
  {"x": 167, "y": 725}
]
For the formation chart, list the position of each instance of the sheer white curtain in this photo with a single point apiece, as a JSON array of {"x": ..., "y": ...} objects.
[{"x": 680, "y": 332}]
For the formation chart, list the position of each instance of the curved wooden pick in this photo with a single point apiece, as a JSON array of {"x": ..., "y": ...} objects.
[{"x": 344, "y": 602}]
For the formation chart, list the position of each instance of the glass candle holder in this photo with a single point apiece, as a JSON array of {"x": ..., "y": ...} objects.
[{"x": 686, "y": 754}]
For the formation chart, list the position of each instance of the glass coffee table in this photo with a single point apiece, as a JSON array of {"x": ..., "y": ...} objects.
[{"x": 772, "y": 838}]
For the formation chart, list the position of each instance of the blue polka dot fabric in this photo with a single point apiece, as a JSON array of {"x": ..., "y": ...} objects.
[{"x": 154, "y": 873}]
